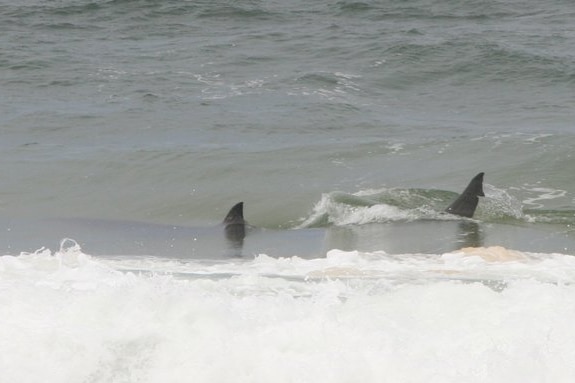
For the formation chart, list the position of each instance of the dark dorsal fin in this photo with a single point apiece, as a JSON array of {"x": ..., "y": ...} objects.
[
  {"x": 466, "y": 203},
  {"x": 235, "y": 228},
  {"x": 235, "y": 215}
]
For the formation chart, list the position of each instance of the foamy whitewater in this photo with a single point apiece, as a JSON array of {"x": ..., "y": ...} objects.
[{"x": 475, "y": 315}]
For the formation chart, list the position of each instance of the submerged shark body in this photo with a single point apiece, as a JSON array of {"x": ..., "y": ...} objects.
[{"x": 234, "y": 237}]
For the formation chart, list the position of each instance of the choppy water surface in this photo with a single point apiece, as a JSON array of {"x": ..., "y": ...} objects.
[{"x": 346, "y": 128}]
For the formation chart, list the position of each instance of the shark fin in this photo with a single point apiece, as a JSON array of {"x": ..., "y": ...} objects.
[
  {"x": 467, "y": 201},
  {"x": 235, "y": 215},
  {"x": 235, "y": 227}
]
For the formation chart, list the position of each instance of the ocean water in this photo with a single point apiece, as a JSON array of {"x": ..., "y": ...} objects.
[{"x": 129, "y": 128}]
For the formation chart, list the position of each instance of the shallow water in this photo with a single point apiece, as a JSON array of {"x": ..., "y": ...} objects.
[{"x": 346, "y": 128}]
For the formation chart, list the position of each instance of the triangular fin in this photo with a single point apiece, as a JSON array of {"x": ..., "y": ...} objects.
[
  {"x": 466, "y": 203},
  {"x": 235, "y": 228},
  {"x": 235, "y": 215}
]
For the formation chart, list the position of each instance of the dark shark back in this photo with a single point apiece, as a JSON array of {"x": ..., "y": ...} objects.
[{"x": 466, "y": 203}]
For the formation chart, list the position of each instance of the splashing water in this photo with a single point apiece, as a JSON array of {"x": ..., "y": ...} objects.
[{"x": 475, "y": 315}]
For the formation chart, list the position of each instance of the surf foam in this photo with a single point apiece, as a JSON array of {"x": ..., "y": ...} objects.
[{"x": 72, "y": 317}]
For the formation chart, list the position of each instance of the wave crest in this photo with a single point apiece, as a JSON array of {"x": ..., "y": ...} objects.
[{"x": 400, "y": 205}]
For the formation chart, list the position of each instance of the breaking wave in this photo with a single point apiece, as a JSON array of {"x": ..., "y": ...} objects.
[{"x": 394, "y": 204}]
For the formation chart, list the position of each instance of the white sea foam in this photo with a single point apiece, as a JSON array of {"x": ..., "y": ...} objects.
[
  {"x": 541, "y": 195},
  {"x": 342, "y": 213},
  {"x": 475, "y": 315},
  {"x": 365, "y": 206}
]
